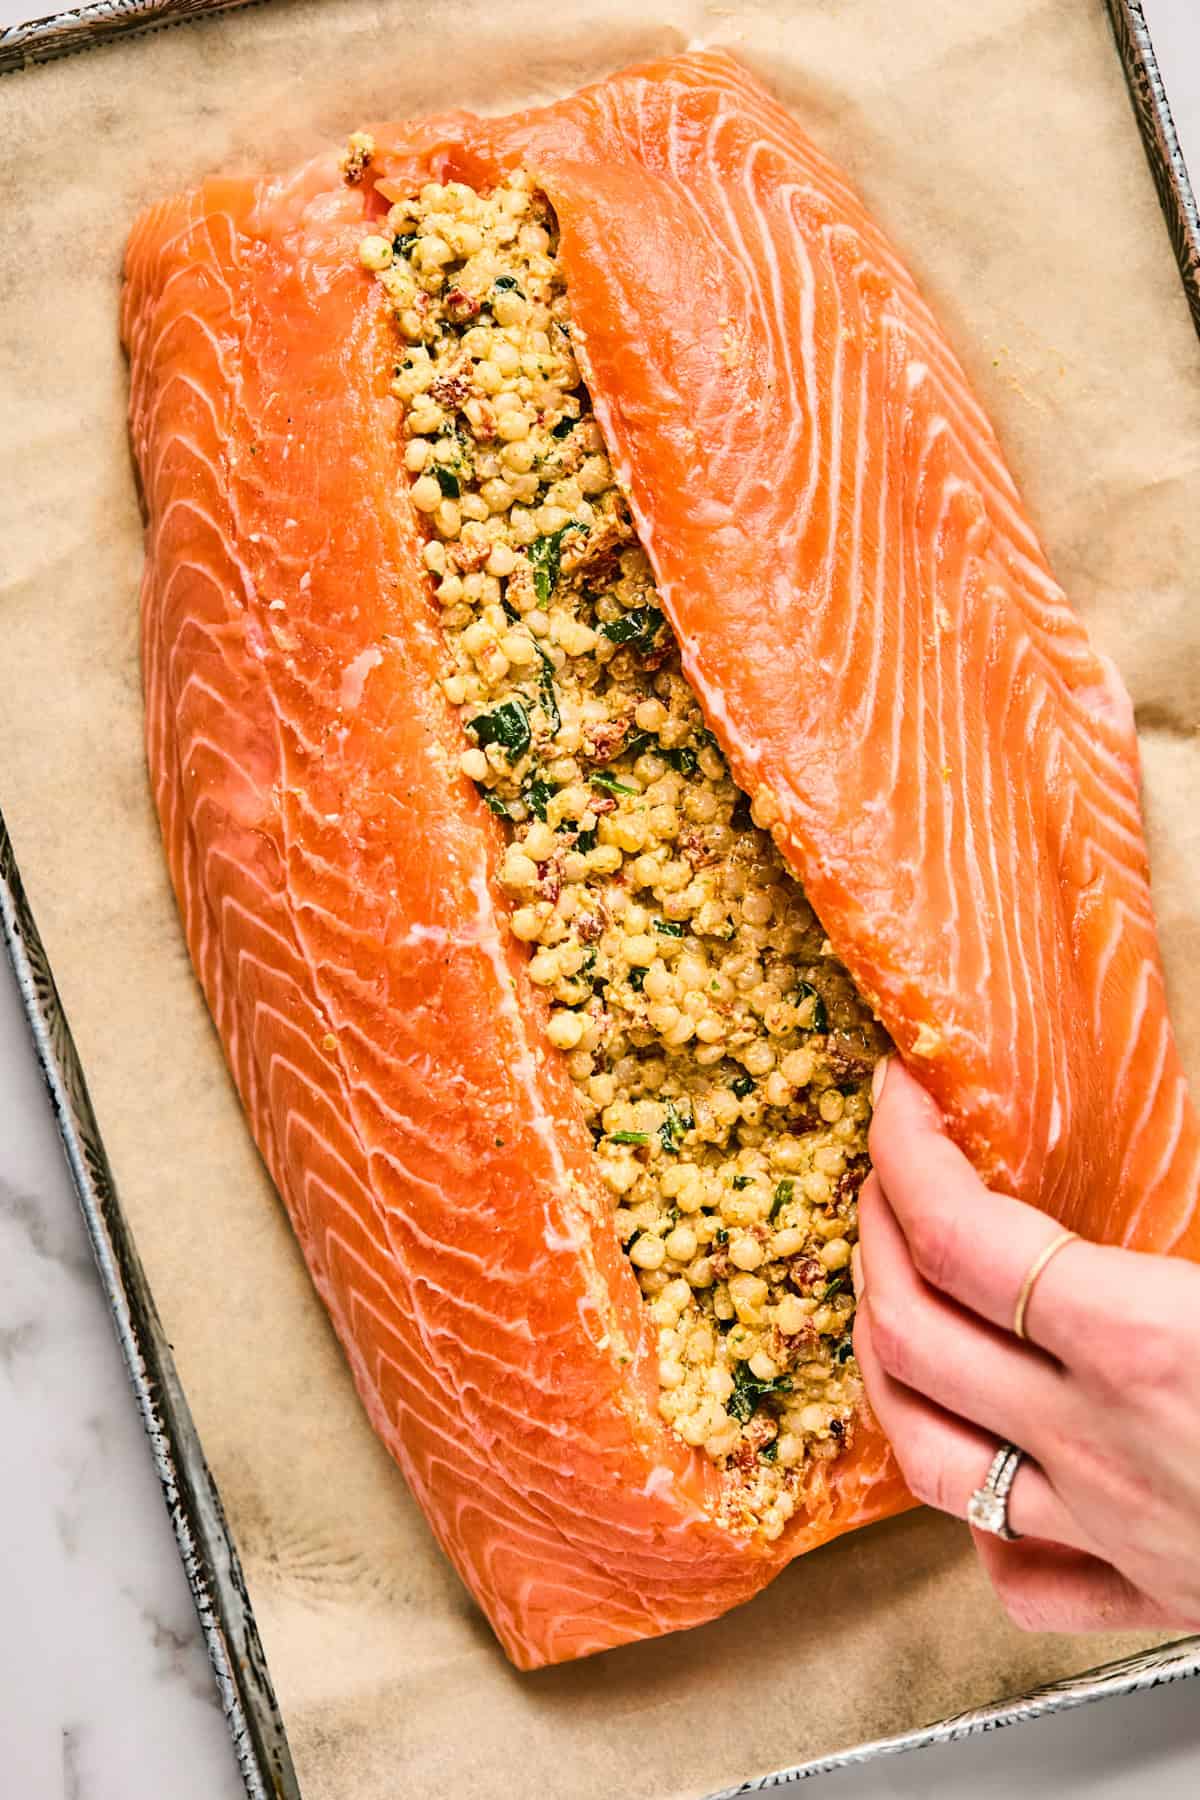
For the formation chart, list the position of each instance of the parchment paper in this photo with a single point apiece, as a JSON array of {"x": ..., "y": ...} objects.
[{"x": 996, "y": 143}]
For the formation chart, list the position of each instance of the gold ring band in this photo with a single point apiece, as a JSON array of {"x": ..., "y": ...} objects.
[{"x": 1036, "y": 1268}]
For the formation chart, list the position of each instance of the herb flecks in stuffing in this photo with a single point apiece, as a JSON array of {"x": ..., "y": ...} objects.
[{"x": 706, "y": 1026}]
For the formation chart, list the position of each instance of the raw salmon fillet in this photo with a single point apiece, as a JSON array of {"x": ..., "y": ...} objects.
[{"x": 883, "y": 655}]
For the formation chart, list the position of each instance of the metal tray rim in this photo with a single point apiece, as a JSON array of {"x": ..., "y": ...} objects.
[
  {"x": 206, "y": 1547},
  {"x": 1176, "y": 1661}
]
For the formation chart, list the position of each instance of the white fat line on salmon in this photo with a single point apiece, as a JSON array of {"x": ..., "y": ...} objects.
[
  {"x": 659, "y": 1481},
  {"x": 572, "y": 1240},
  {"x": 355, "y": 673}
]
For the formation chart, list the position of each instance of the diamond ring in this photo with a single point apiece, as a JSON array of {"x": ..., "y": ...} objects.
[{"x": 987, "y": 1509}]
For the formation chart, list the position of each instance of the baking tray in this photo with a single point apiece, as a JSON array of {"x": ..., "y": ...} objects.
[{"x": 206, "y": 1547}]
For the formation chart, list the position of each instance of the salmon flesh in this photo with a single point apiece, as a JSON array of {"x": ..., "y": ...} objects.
[{"x": 603, "y": 690}]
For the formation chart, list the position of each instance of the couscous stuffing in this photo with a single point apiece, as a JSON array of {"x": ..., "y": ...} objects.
[{"x": 721, "y": 1055}]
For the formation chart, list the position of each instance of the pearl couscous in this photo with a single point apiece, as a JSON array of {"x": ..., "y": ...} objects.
[{"x": 721, "y": 1055}]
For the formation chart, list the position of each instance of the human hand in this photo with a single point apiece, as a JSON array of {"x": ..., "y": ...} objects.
[{"x": 1104, "y": 1397}]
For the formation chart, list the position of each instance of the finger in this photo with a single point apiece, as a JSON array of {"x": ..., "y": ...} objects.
[
  {"x": 978, "y": 1246},
  {"x": 953, "y": 1357},
  {"x": 1044, "y": 1587},
  {"x": 944, "y": 1459}
]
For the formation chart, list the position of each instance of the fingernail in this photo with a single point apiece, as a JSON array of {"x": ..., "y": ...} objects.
[
  {"x": 856, "y": 1273},
  {"x": 878, "y": 1079}
]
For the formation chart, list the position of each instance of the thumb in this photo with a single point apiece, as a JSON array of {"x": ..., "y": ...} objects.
[{"x": 909, "y": 1143}]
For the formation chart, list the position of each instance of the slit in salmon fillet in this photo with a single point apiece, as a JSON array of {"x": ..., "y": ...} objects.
[{"x": 720, "y": 1053}]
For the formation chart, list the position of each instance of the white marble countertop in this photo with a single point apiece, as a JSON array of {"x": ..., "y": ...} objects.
[{"x": 105, "y": 1690}]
